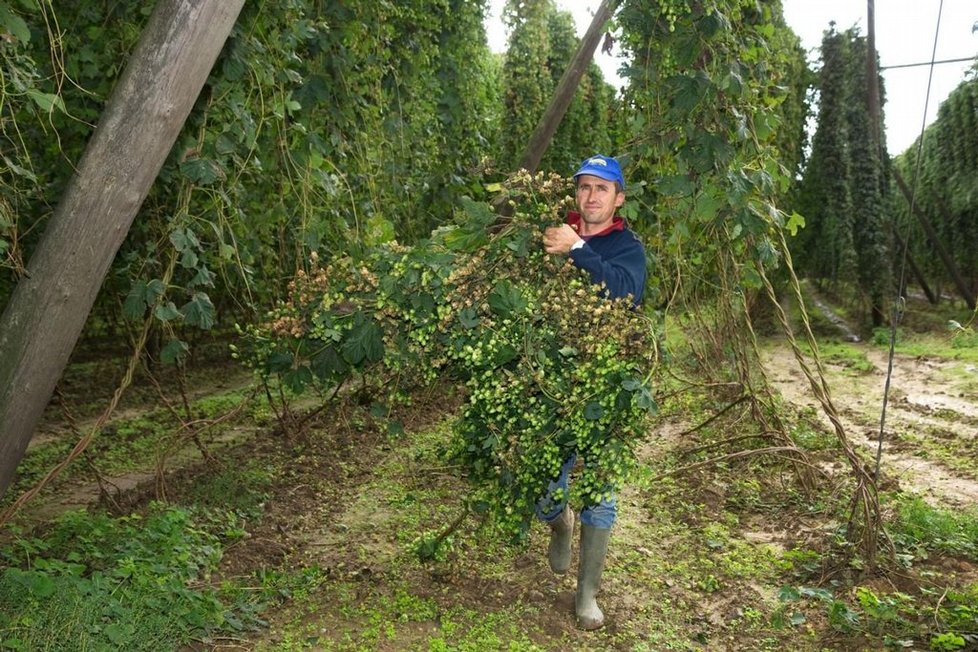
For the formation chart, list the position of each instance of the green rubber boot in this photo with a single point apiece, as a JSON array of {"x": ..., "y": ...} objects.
[
  {"x": 594, "y": 547},
  {"x": 561, "y": 535}
]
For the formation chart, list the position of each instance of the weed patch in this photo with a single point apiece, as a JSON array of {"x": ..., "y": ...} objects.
[
  {"x": 126, "y": 444},
  {"x": 919, "y": 526},
  {"x": 97, "y": 582}
]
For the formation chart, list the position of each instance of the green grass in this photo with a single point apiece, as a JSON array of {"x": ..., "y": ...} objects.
[
  {"x": 949, "y": 346},
  {"x": 239, "y": 487},
  {"x": 126, "y": 444},
  {"x": 133, "y": 583},
  {"x": 467, "y": 630},
  {"x": 396, "y": 618},
  {"x": 921, "y": 526},
  {"x": 955, "y": 453},
  {"x": 850, "y": 356},
  {"x": 811, "y": 437}
]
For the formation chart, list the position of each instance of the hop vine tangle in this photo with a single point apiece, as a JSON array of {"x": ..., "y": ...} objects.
[{"x": 549, "y": 365}]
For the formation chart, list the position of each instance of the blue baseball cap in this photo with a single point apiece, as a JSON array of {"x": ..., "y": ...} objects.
[{"x": 604, "y": 167}]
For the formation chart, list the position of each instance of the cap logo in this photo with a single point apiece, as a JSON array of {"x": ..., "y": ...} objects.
[{"x": 597, "y": 161}]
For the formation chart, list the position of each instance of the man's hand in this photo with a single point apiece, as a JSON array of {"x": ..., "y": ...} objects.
[{"x": 559, "y": 239}]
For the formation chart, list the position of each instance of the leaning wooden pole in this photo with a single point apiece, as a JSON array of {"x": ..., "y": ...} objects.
[
  {"x": 571, "y": 79},
  {"x": 149, "y": 105},
  {"x": 952, "y": 270},
  {"x": 915, "y": 269}
]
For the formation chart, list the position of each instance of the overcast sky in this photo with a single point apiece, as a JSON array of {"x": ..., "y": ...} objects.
[{"x": 904, "y": 34}]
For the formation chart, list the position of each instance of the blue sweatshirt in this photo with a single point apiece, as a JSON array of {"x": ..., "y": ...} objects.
[{"x": 615, "y": 258}]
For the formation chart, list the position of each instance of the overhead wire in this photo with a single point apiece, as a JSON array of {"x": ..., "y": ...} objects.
[
  {"x": 927, "y": 63},
  {"x": 900, "y": 304}
]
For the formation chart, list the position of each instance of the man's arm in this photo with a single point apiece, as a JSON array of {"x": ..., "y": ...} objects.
[
  {"x": 617, "y": 263},
  {"x": 620, "y": 268}
]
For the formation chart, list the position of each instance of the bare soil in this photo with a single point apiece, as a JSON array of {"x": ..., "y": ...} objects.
[{"x": 925, "y": 406}]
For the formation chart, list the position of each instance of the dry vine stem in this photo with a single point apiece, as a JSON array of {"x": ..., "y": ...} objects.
[
  {"x": 195, "y": 428},
  {"x": 865, "y": 501},
  {"x": 756, "y": 390},
  {"x": 792, "y": 451}
]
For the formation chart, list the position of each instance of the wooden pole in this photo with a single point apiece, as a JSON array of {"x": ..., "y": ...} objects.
[
  {"x": 949, "y": 265},
  {"x": 149, "y": 105},
  {"x": 571, "y": 79},
  {"x": 872, "y": 76},
  {"x": 916, "y": 271}
]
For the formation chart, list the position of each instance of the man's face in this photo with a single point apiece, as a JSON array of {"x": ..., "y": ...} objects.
[{"x": 597, "y": 199}]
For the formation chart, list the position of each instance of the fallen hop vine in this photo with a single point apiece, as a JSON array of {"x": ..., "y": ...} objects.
[{"x": 549, "y": 365}]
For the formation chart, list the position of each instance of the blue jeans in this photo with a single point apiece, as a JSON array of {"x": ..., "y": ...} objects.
[{"x": 601, "y": 515}]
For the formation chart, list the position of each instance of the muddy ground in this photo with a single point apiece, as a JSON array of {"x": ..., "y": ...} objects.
[{"x": 930, "y": 426}]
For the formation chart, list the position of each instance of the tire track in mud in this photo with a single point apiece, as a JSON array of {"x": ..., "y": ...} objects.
[{"x": 926, "y": 411}]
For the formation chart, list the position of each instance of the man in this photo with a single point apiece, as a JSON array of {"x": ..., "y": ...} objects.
[{"x": 600, "y": 242}]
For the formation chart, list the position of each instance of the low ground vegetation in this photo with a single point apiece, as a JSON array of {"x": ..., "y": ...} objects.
[{"x": 348, "y": 530}]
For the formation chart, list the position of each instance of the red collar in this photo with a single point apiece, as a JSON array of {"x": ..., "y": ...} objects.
[{"x": 574, "y": 220}]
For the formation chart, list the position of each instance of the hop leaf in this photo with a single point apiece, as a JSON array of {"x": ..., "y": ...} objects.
[
  {"x": 365, "y": 341},
  {"x": 506, "y": 299},
  {"x": 199, "y": 311}
]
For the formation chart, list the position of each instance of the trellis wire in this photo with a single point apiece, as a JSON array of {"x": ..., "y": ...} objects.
[{"x": 900, "y": 302}]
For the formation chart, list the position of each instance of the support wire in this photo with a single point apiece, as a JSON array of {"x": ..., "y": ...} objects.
[{"x": 900, "y": 304}]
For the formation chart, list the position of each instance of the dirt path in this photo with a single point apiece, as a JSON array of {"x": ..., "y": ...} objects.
[{"x": 931, "y": 430}]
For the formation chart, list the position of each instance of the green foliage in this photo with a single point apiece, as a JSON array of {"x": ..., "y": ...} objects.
[
  {"x": 959, "y": 613},
  {"x": 321, "y": 123},
  {"x": 845, "y": 354},
  {"x": 844, "y": 195},
  {"x": 868, "y": 186},
  {"x": 962, "y": 337},
  {"x": 947, "y": 642},
  {"x": 549, "y": 366},
  {"x": 895, "y": 618},
  {"x": 882, "y": 336},
  {"x": 711, "y": 87},
  {"x": 527, "y": 83},
  {"x": 824, "y": 248},
  {"x": 585, "y": 127},
  {"x": 26, "y": 100},
  {"x": 948, "y": 619},
  {"x": 96, "y": 582},
  {"x": 239, "y": 489},
  {"x": 920, "y": 527},
  {"x": 942, "y": 172}
]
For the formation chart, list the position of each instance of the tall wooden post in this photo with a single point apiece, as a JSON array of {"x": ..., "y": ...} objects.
[
  {"x": 872, "y": 77},
  {"x": 149, "y": 105},
  {"x": 569, "y": 81}
]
